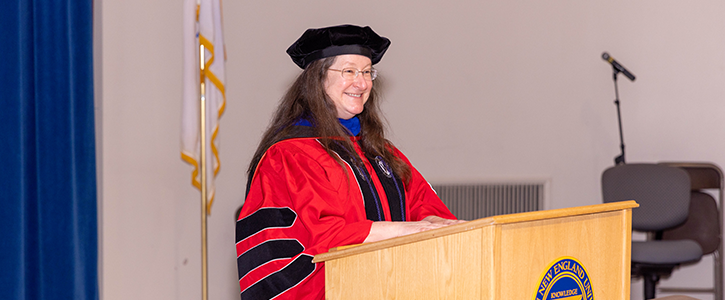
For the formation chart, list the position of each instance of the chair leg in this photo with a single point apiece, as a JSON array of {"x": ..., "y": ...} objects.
[
  {"x": 650, "y": 283},
  {"x": 718, "y": 278}
]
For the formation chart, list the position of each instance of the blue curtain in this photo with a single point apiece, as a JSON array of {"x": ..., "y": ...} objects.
[{"x": 49, "y": 244}]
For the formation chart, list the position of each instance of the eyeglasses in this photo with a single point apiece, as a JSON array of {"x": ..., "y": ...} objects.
[{"x": 351, "y": 74}]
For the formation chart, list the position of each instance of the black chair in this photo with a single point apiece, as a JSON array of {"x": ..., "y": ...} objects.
[
  {"x": 703, "y": 222},
  {"x": 663, "y": 193}
]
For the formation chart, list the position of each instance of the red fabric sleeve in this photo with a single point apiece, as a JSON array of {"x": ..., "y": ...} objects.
[
  {"x": 315, "y": 186},
  {"x": 299, "y": 181}
]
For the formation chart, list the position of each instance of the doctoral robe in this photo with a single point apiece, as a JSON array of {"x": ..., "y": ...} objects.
[{"x": 302, "y": 202}]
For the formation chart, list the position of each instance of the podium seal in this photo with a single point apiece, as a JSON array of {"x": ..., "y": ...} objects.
[{"x": 565, "y": 279}]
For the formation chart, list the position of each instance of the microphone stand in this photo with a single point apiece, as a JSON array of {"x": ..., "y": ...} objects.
[{"x": 619, "y": 159}]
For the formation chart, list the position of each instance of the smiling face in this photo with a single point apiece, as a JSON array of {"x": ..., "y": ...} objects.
[{"x": 349, "y": 96}]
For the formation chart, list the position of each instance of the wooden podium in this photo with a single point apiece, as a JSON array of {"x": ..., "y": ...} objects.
[{"x": 501, "y": 257}]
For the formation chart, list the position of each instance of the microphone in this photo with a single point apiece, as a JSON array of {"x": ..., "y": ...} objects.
[{"x": 617, "y": 67}]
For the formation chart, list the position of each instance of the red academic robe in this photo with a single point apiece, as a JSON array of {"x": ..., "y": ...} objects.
[{"x": 301, "y": 202}]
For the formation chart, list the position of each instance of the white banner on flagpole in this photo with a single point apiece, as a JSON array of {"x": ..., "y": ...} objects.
[{"x": 203, "y": 25}]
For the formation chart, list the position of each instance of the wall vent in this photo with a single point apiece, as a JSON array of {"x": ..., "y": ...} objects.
[{"x": 475, "y": 201}]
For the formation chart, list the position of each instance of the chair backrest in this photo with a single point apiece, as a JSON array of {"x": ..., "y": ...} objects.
[
  {"x": 662, "y": 192},
  {"x": 702, "y": 225},
  {"x": 703, "y": 222},
  {"x": 702, "y": 175}
]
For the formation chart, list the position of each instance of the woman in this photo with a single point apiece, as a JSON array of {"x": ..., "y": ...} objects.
[{"x": 324, "y": 175}]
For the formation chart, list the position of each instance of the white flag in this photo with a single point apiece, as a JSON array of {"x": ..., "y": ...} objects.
[{"x": 203, "y": 25}]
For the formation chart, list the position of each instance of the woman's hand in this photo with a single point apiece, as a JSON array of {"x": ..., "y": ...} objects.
[
  {"x": 439, "y": 220},
  {"x": 385, "y": 230}
]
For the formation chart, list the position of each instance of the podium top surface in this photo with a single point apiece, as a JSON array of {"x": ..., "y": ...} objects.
[{"x": 344, "y": 251}]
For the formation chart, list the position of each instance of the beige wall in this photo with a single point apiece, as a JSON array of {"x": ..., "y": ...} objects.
[{"x": 475, "y": 90}]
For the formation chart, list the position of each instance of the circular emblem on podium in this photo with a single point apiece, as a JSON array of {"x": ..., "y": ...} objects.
[{"x": 564, "y": 279}]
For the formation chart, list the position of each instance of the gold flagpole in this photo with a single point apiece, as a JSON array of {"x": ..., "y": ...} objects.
[{"x": 202, "y": 162}]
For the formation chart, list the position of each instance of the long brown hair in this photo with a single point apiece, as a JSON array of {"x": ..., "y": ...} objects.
[{"x": 307, "y": 99}]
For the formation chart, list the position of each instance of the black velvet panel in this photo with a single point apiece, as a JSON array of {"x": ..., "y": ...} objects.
[
  {"x": 373, "y": 206},
  {"x": 266, "y": 252},
  {"x": 267, "y": 217},
  {"x": 393, "y": 187},
  {"x": 279, "y": 282}
]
